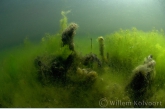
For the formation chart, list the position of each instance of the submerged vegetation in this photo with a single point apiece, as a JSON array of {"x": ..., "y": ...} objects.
[{"x": 62, "y": 72}]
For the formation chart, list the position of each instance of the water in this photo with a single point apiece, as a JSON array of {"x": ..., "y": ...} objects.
[
  {"x": 36, "y": 71},
  {"x": 20, "y": 19}
]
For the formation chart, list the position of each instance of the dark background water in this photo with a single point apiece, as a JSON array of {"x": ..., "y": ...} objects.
[{"x": 33, "y": 18}]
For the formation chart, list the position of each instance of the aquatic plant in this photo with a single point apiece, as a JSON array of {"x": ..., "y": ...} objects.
[{"x": 64, "y": 20}]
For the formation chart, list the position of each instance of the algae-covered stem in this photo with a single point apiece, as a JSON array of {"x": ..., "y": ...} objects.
[
  {"x": 101, "y": 46},
  {"x": 91, "y": 45}
]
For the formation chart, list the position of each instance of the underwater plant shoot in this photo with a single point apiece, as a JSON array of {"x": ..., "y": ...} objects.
[{"x": 122, "y": 69}]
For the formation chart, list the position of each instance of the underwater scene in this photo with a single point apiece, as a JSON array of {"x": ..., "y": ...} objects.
[{"x": 82, "y": 54}]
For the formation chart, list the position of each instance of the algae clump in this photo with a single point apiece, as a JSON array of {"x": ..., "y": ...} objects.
[
  {"x": 68, "y": 34},
  {"x": 142, "y": 81}
]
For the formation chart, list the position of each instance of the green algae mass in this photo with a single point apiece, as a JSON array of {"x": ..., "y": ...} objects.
[{"x": 23, "y": 84}]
